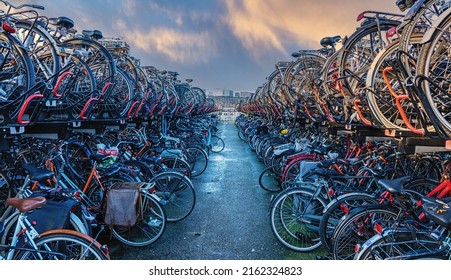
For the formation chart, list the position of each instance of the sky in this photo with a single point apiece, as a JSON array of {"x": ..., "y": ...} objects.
[{"x": 225, "y": 44}]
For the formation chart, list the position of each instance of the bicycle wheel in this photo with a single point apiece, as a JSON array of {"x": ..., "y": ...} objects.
[
  {"x": 178, "y": 165},
  {"x": 335, "y": 210},
  {"x": 100, "y": 60},
  {"x": 241, "y": 134},
  {"x": 359, "y": 52},
  {"x": 381, "y": 101},
  {"x": 434, "y": 63},
  {"x": 419, "y": 23},
  {"x": 118, "y": 101},
  {"x": 42, "y": 49},
  {"x": 95, "y": 192},
  {"x": 17, "y": 76},
  {"x": 64, "y": 245},
  {"x": 269, "y": 179},
  {"x": 428, "y": 168},
  {"x": 358, "y": 226},
  {"x": 177, "y": 194},
  {"x": 75, "y": 90},
  {"x": 5, "y": 192},
  {"x": 217, "y": 144},
  {"x": 149, "y": 228},
  {"x": 334, "y": 98},
  {"x": 17, "y": 68},
  {"x": 198, "y": 160},
  {"x": 294, "y": 216},
  {"x": 75, "y": 223},
  {"x": 292, "y": 171},
  {"x": 401, "y": 244}
]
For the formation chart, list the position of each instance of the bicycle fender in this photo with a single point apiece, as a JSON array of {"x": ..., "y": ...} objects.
[{"x": 429, "y": 34}]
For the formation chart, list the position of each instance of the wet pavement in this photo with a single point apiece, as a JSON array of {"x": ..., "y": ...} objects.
[{"x": 230, "y": 219}]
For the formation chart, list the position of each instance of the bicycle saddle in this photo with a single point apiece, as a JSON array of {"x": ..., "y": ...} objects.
[
  {"x": 63, "y": 22},
  {"x": 94, "y": 34},
  {"x": 394, "y": 185},
  {"x": 330, "y": 41},
  {"x": 37, "y": 173},
  {"x": 26, "y": 204}
]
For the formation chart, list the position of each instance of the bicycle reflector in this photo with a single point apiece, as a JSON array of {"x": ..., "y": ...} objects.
[
  {"x": 360, "y": 16},
  {"x": 8, "y": 27},
  {"x": 378, "y": 228},
  {"x": 390, "y": 32},
  {"x": 356, "y": 248}
]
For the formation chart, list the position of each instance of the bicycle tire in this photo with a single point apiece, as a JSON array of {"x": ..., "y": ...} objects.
[
  {"x": 217, "y": 144},
  {"x": 5, "y": 193},
  {"x": 148, "y": 229},
  {"x": 17, "y": 56},
  {"x": 177, "y": 194},
  {"x": 292, "y": 170},
  {"x": 380, "y": 100},
  {"x": 332, "y": 95},
  {"x": 241, "y": 134},
  {"x": 198, "y": 160},
  {"x": 269, "y": 178},
  {"x": 76, "y": 90},
  {"x": 433, "y": 63},
  {"x": 65, "y": 245},
  {"x": 419, "y": 24},
  {"x": 18, "y": 75},
  {"x": 75, "y": 223},
  {"x": 351, "y": 50},
  {"x": 357, "y": 227},
  {"x": 401, "y": 244},
  {"x": 177, "y": 164},
  {"x": 335, "y": 210},
  {"x": 42, "y": 48},
  {"x": 294, "y": 217}
]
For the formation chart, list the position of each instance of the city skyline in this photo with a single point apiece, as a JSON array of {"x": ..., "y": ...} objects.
[{"x": 230, "y": 44}]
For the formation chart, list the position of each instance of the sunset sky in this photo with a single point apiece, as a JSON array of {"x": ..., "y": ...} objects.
[{"x": 231, "y": 44}]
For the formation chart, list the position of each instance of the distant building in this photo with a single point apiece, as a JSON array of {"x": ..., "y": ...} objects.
[{"x": 227, "y": 100}]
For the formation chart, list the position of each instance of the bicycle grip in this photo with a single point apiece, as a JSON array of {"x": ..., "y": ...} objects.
[{"x": 39, "y": 7}]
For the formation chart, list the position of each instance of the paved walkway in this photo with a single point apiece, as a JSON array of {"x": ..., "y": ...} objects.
[{"x": 230, "y": 220}]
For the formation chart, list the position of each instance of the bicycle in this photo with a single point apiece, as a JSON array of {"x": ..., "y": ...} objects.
[
  {"x": 62, "y": 244},
  {"x": 93, "y": 195}
]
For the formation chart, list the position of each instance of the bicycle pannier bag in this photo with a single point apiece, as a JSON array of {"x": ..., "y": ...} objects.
[{"x": 123, "y": 205}]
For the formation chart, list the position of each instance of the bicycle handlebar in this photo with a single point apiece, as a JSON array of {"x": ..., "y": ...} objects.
[{"x": 34, "y": 6}]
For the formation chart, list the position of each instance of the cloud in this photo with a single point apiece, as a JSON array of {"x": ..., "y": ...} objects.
[
  {"x": 129, "y": 7},
  {"x": 266, "y": 26},
  {"x": 171, "y": 13},
  {"x": 175, "y": 45}
]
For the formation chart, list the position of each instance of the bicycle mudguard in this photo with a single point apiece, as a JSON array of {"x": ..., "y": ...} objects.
[{"x": 430, "y": 32}]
